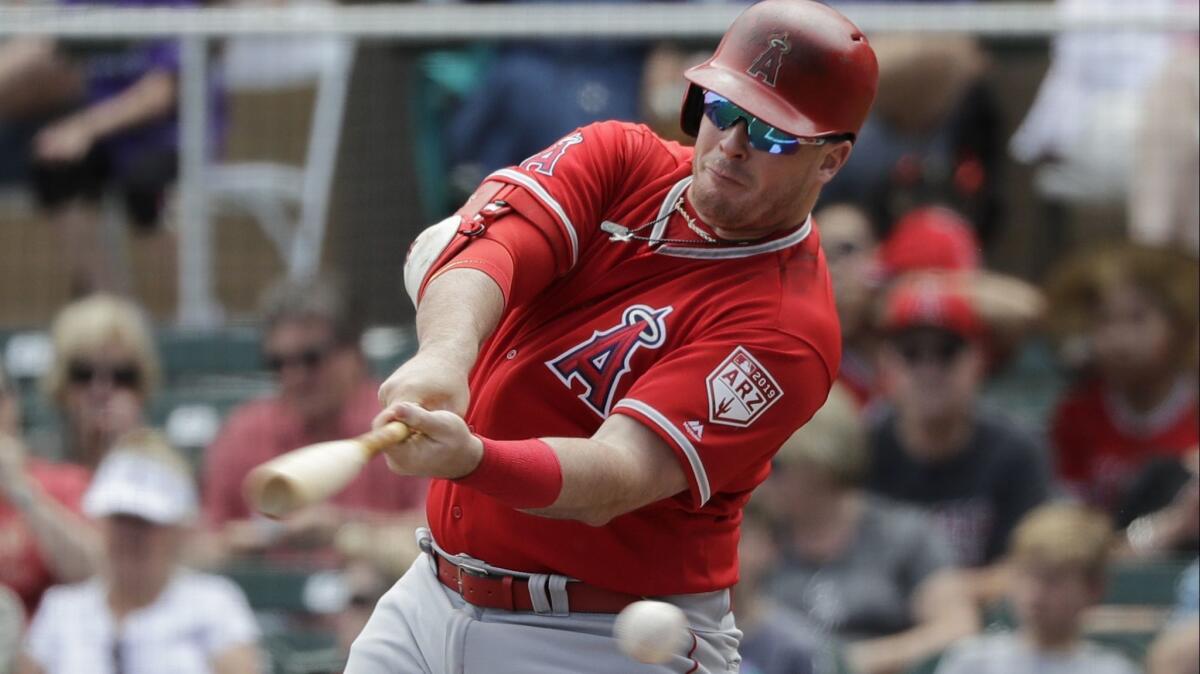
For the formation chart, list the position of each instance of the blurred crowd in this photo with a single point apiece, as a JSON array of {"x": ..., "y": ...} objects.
[{"x": 918, "y": 523}]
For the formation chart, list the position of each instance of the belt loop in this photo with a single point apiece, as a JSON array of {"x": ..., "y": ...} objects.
[
  {"x": 537, "y": 593},
  {"x": 506, "y": 585},
  {"x": 560, "y": 604},
  {"x": 424, "y": 539},
  {"x": 425, "y": 543}
]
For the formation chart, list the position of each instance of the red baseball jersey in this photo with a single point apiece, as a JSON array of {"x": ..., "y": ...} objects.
[
  {"x": 1101, "y": 445},
  {"x": 721, "y": 349}
]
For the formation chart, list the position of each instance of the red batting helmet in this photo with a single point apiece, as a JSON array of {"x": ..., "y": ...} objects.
[{"x": 798, "y": 65}]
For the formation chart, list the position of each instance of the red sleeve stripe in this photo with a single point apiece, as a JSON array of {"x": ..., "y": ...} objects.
[
  {"x": 681, "y": 441},
  {"x": 548, "y": 201}
]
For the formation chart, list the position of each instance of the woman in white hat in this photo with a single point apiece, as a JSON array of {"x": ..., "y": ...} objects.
[{"x": 144, "y": 613}]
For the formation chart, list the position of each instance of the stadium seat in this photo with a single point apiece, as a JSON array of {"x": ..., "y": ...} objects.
[
  {"x": 303, "y": 652},
  {"x": 1144, "y": 583},
  {"x": 189, "y": 354},
  {"x": 271, "y": 587}
]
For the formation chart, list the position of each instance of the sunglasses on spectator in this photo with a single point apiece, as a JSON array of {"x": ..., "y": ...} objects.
[
  {"x": 125, "y": 375},
  {"x": 939, "y": 350},
  {"x": 723, "y": 113},
  {"x": 840, "y": 249},
  {"x": 309, "y": 358}
]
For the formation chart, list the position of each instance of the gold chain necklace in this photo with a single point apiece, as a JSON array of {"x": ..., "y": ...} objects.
[
  {"x": 691, "y": 223},
  {"x": 623, "y": 234}
]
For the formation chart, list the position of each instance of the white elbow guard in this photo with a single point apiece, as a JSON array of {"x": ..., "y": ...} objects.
[{"x": 425, "y": 251}]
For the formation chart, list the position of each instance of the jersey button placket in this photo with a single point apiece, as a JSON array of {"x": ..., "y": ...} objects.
[{"x": 456, "y": 512}]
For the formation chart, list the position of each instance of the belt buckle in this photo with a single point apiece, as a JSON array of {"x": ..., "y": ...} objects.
[{"x": 476, "y": 570}]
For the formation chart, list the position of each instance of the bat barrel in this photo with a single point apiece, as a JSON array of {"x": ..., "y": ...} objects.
[
  {"x": 314, "y": 473},
  {"x": 275, "y": 494}
]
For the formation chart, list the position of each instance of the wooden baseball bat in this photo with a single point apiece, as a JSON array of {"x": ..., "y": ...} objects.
[{"x": 316, "y": 472}]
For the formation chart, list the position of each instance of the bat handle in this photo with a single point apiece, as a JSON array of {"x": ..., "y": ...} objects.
[{"x": 391, "y": 433}]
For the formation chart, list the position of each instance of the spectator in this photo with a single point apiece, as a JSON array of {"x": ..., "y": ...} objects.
[
  {"x": 1164, "y": 205},
  {"x": 775, "y": 639},
  {"x": 1059, "y": 554},
  {"x": 110, "y": 122},
  {"x": 1177, "y": 648},
  {"x": 936, "y": 238},
  {"x": 597, "y": 83},
  {"x": 936, "y": 447},
  {"x": 12, "y": 627},
  {"x": 934, "y": 135},
  {"x": 1161, "y": 512},
  {"x": 1127, "y": 317},
  {"x": 874, "y": 574},
  {"x": 144, "y": 613},
  {"x": 930, "y": 238},
  {"x": 105, "y": 370},
  {"x": 365, "y": 584},
  {"x": 43, "y": 536},
  {"x": 848, "y": 240},
  {"x": 325, "y": 392},
  {"x": 1080, "y": 130}
]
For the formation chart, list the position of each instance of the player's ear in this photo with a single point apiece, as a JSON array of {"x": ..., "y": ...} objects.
[{"x": 833, "y": 159}]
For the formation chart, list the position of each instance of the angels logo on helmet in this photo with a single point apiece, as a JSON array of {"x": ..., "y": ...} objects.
[{"x": 766, "y": 66}]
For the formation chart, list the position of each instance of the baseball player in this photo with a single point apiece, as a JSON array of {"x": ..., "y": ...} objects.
[{"x": 615, "y": 338}]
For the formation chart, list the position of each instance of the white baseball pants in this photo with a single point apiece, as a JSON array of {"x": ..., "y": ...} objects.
[{"x": 422, "y": 627}]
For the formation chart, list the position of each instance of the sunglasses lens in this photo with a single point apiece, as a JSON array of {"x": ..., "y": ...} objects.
[
  {"x": 720, "y": 111},
  {"x": 941, "y": 351},
  {"x": 773, "y": 140},
  {"x": 309, "y": 358},
  {"x": 723, "y": 113},
  {"x": 127, "y": 377},
  {"x": 80, "y": 373},
  {"x": 122, "y": 376}
]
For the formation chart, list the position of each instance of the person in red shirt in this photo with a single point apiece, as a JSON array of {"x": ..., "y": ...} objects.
[
  {"x": 848, "y": 240},
  {"x": 1129, "y": 316},
  {"x": 325, "y": 393},
  {"x": 104, "y": 371},
  {"x": 41, "y": 524},
  {"x": 616, "y": 336}
]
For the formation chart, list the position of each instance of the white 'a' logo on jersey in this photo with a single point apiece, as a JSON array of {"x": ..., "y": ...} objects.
[{"x": 544, "y": 162}]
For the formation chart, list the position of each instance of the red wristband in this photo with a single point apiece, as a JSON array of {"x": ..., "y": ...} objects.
[{"x": 522, "y": 473}]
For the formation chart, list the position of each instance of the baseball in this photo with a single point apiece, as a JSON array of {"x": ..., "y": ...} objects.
[{"x": 651, "y": 631}]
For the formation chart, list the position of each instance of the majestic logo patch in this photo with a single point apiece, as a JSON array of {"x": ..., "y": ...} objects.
[
  {"x": 545, "y": 162},
  {"x": 694, "y": 429},
  {"x": 766, "y": 66},
  {"x": 740, "y": 390},
  {"x": 600, "y": 361}
]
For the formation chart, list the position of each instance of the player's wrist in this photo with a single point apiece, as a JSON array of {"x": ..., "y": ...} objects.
[
  {"x": 524, "y": 474},
  {"x": 475, "y": 449}
]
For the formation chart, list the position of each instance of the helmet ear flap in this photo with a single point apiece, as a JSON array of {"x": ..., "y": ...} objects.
[{"x": 693, "y": 108}]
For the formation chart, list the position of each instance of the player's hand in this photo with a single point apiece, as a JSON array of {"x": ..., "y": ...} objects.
[
  {"x": 427, "y": 380},
  {"x": 63, "y": 142},
  {"x": 441, "y": 445}
]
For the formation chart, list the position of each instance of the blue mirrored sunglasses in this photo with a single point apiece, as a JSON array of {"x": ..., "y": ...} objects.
[{"x": 723, "y": 113}]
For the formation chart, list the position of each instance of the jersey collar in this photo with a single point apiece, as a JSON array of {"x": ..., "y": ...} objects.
[{"x": 724, "y": 252}]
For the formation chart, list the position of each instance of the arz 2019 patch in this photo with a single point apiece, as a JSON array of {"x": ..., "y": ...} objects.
[{"x": 740, "y": 390}]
